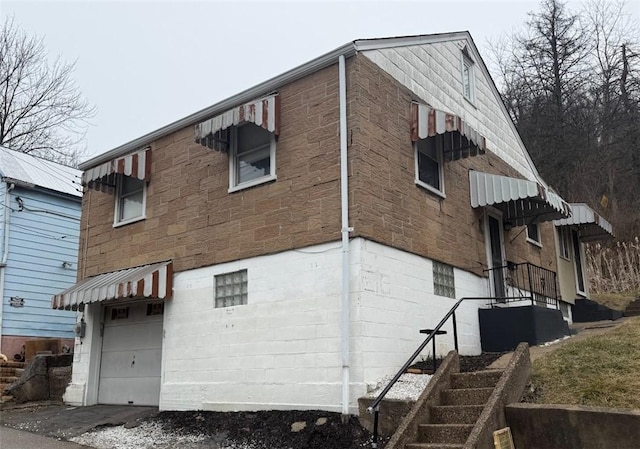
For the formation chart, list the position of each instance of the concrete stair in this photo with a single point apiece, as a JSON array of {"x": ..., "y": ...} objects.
[
  {"x": 9, "y": 373},
  {"x": 633, "y": 309},
  {"x": 449, "y": 423}
]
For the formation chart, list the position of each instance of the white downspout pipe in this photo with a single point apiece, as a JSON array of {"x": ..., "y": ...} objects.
[
  {"x": 5, "y": 249},
  {"x": 344, "y": 202}
]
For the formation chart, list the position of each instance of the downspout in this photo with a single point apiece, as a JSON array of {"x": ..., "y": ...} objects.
[
  {"x": 344, "y": 202},
  {"x": 5, "y": 249}
]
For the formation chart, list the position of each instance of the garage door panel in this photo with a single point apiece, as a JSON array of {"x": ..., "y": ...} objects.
[
  {"x": 133, "y": 363},
  {"x": 139, "y": 391},
  {"x": 119, "y": 338},
  {"x": 131, "y": 359}
]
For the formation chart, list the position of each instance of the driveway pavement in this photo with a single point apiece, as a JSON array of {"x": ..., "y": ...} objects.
[
  {"x": 19, "y": 439},
  {"x": 63, "y": 422}
]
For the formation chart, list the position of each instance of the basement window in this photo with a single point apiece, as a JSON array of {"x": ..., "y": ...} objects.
[
  {"x": 231, "y": 289},
  {"x": 443, "y": 280}
]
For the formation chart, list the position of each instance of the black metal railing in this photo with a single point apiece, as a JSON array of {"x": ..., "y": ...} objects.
[
  {"x": 525, "y": 282},
  {"x": 375, "y": 406}
]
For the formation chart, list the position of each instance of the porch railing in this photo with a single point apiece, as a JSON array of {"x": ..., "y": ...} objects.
[{"x": 525, "y": 282}]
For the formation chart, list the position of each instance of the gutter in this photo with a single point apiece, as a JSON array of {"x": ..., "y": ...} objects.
[
  {"x": 261, "y": 89},
  {"x": 5, "y": 249},
  {"x": 344, "y": 205}
]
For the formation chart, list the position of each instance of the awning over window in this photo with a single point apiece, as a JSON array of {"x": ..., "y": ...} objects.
[
  {"x": 428, "y": 122},
  {"x": 592, "y": 226},
  {"x": 153, "y": 281},
  {"x": 137, "y": 165},
  {"x": 264, "y": 112},
  {"x": 521, "y": 201}
]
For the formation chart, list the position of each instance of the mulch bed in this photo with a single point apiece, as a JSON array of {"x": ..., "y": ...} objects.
[
  {"x": 271, "y": 429},
  {"x": 468, "y": 363}
]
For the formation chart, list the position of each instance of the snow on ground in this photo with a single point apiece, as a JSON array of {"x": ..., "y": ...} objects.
[
  {"x": 408, "y": 387},
  {"x": 553, "y": 342}
]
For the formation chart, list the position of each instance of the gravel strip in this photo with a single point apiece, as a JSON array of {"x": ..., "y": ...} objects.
[
  {"x": 409, "y": 387},
  {"x": 145, "y": 436}
]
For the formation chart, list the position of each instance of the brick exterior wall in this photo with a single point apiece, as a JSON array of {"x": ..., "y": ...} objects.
[
  {"x": 193, "y": 220},
  {"x": 388, "y": 207},
  {"x": 191, "y": 217}
]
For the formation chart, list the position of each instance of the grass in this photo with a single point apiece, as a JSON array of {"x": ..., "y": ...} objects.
[
  {"x": 617, "y": 301},
  {"x": 599, "y": 371}
]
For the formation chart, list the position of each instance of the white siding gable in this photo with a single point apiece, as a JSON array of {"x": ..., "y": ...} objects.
[{"x": 433, "y": 72}]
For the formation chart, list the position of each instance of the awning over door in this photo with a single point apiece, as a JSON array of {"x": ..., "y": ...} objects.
[
  {"x": 521, "y": 201},
  {"x": 428, "y": 122},
  {"x": 153, "y": 281},
  {"x": 264, "y": 112},
  {"x": 137, "y": 165},
  {"x": 592, "y": 226}
]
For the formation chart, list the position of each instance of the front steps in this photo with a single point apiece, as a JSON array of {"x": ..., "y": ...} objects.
[
  {"x": 449, "y": 423},
  {"x": 9, "y": 373}
]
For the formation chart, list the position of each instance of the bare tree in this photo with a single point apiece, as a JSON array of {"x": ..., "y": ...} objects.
[{"x": 41, "y": 109}]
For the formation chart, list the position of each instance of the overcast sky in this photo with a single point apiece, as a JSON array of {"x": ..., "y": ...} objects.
[{"x": 146, "y": 64}]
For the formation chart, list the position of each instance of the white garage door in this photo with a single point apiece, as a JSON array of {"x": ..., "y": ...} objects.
[{"x": 131, "y": 355}]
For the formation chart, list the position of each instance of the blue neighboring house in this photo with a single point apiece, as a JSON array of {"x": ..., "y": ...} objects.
[{"x": 40, "y": 203}]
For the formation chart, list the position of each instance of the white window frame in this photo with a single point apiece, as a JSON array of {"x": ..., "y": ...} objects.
[
  {"x": 469, "y": 64},
  {"x": 116, "y": 215},
  {"x": 532, "y": 240},
  {"x": 234, "y": 186},
  {"x": 579, "y": 253},
  {"x": 440, "y": 154},
  {"x": 564, "y": 242}
]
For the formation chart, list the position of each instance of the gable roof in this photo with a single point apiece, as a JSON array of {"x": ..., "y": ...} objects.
[
  {"x": 33, "y": 171},
  {"x": 323, "y": 61}
]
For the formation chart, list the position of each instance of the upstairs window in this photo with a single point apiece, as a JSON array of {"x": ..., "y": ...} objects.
[
  {"x": 130, "y": 200},
  {"x": 251, "y": 157},
  {"x": 533, "y": 234},
  {"x": 429, "y": 167},
  {"x": 468, "y": 76}
]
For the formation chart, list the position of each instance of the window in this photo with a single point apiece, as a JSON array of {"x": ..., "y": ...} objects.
[
  {"x": 231, "y": 289},
  {"x": 468, "y": 77},
  {"x": 429, "y": 167},
  {"x": 577, "y": 257},
  {"x": 130, "y": 201},
  {"x": 533, "y": 234},
  {"x": 252, "y": 156},
  {"x": 443, "y": 280},
  {"x": 564, "y": 238}
]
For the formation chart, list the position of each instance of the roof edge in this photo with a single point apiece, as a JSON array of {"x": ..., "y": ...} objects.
[{"x": 263, "y": 88}]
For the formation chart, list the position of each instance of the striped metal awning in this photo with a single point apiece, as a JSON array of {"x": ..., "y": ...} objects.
[
  {"x": 592, "y": 226},
  {"x": 264, "y": 112},
  {"x": 137, "y": 165},
  {"x": 153, "y": 281},
  {"x": 521, "y": 201},
  {"x": 428, "y": 122}
]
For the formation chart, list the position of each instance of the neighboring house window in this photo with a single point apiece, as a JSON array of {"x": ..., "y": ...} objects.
[
  {"x": 468, "y": 76},
  {"x": 443, "y": 280},
  {"x": 130, "y": 201},
  {"x": 429, "y": 166},
  {"x": 252, "y": 157},
  {"x": 533, "y": 234},
  {"x": 577, "y": 257},
  {"x": 564, "y": 237},
  {"x": 231, "y": 289}
]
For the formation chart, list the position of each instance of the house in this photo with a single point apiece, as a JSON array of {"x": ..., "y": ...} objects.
[
  {"x": 584, "y": 226},
  {"x": 40, "y": 223},
  {"x": 283, "y": 248}
]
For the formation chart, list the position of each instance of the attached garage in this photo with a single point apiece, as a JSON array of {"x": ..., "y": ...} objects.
[
  {"x": 131, "y": 361},
  {"x": 126, "y": 311}
]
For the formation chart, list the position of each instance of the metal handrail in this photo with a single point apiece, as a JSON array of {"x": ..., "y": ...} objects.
[
  {"x": 530, "y": 281},
  {"x": 375, "y": 406}
]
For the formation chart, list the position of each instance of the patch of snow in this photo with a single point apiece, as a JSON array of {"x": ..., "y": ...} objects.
[
  {"x": 553, "y": 342},
  {"x": 408, "y": 387}
]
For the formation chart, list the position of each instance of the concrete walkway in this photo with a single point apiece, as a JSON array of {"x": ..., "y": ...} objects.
[{"x": 582, "y": 331}]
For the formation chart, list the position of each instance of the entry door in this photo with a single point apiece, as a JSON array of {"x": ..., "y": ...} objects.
[
  {"x": 495, "y": 254},
  {"x": 130, "y": 366}
]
